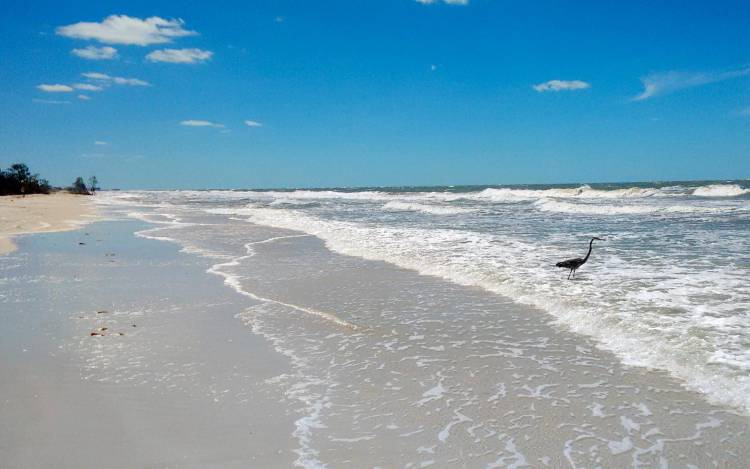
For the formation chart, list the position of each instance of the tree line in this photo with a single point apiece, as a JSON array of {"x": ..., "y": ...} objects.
[{"x": 18, "y": 180}]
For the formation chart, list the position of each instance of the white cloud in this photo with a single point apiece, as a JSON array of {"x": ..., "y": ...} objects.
[
  {"x": 123, "y": 29},
  {"x": 55, "y": 88},
  {"x": 201, "y": 123},
  {"x": 100, "y": 142},
  {"x": 130, "y": 81},
  {"x": 179, "y": 56},
  {"x": 449, "y": 2},
  {"x": 96, "y": 53},
  {"x": 104, "y": 78},
  {"x": 561, "y": 85},
  {"x": 50, "y": 101},
  {"x": 87, "y": 87},
  {"x": 83, "y": 97},
  {"x": 250, "y": 123},
  {"x": 668, "y": 82},
  {"x": 96, "y": 76}
]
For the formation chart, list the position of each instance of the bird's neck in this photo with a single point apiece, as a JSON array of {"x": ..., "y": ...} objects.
[{"x": 591, "y": 245}]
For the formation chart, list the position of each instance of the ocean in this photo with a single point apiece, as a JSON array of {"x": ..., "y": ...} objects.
[{"x": 668, "y": 289}]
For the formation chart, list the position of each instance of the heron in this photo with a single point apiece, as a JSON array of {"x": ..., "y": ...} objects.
[{"x": 574, "y": 264}]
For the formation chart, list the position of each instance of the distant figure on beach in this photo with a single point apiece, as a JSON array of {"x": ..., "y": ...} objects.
[{"x": 574, "y": 264}]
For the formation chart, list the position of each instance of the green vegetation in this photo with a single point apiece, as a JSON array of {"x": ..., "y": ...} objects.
[
  {"x": 79, "y": 187},
  {"x": 18, "y": 180},
  {"x": 93, "y": 184}
]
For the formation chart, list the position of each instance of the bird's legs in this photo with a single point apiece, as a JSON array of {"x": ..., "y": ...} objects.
[{"x": 571, "y": 271}]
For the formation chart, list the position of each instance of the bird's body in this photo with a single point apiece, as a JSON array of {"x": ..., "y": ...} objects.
[{"x": 574, "y": 264}]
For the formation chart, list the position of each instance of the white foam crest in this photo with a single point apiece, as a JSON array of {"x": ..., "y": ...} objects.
[
  {"x": 396, "y": 205},
  {"x": 559, "y": 206},
  {"x": 582, "y": 192},
  {"x": 720, "y": 190},
  {"x": 291, "y": 201},
  {"x": 323, "y": 195}
]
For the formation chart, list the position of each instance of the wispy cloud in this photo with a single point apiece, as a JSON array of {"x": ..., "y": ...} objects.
[
  {"x": 449, "y": 2},
  {"x": 561, "y": 85},
  {"x": 179, "y": 56},
  {"x": 250, "y": 123},
  {"x": 96, "y": 53},
  {"x": 50, "y": 101},
  {"x": 201, "y": 123},
  {"x": 55, "y": 88},
  {"x": 104, "y": 78},
  {"x": 658, "y": 84},
  {"x": 100, "y": 142},
  {"x": 123, "y": 29},
  {"x": 87, "y": 87},
  {"x": 83, "y": 97}
]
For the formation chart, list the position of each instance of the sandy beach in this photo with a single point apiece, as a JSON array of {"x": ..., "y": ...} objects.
[
  {"x": 121, "y": 352},
  {"x": 38, "y": 213},
  {"x": 172, "y": 337}
]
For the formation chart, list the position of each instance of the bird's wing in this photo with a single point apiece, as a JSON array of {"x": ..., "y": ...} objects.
[{"x": 569, "y": 263}]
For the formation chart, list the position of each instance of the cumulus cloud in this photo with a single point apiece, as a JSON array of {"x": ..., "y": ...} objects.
[
  {"x": 55, "y": 88},
  {"x": 104, "y": 78},
  {"x": 668, "y": 82},
  {"x": 561, "y": 85},
  {"x": 179, "y": 56},
  {"x": 96, "y": 53},
  {"x": 201, "y": 123},
  {"x": 123, "y": 29},
  {"x": 87, "y": 87},
  {"x": 449, "y": 2},
  {"x": 250, "y": 123}
]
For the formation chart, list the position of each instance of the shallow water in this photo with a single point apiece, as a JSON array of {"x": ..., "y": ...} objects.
[
  {"x": 668, "y": 289},
  {"x": 383, "y": 359}
]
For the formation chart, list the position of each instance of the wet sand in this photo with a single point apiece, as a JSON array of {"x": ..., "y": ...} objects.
[
  {"x": 259, "y": 347},
  {"x": 41, "y": 213},
  {"x": 180, "y": 389}
]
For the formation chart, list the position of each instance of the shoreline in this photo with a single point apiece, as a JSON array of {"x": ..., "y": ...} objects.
[
  {"x": 433, "y": 369},
  {"x": 232, "y": 368},
  {"x": 41, "y": 213}
]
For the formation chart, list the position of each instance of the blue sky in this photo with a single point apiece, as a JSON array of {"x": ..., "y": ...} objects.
[{"x": 387, "y": 92}]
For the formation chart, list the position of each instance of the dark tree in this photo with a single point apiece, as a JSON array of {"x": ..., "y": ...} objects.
[
  {"x": 79, "y": 187},
  {"x": 18, "y": 180},
  {"x": 93, "y": 184}
]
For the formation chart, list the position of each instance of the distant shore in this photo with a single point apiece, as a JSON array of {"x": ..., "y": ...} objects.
[{"x": 41, "y": 213}]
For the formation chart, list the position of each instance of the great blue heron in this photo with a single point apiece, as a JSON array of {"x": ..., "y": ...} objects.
[{"x": 574, "y": 264}]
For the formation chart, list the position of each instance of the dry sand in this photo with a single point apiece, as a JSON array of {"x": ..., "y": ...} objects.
[{"x": 40, "y": 213}]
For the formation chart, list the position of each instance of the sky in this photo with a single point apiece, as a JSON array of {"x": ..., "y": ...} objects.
[{"x": 259, "y": 94}]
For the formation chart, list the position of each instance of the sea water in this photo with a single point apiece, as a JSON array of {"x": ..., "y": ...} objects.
[
  {"x": 668, "y": 288},
  {"x": 429, "y": 325}
]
